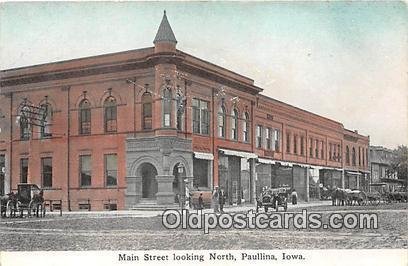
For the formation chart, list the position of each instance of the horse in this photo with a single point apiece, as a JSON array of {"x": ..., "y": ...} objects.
[
  {"x": 36, "y": 201},
  {"x": 13, "y": 202},
  {"x": 339, "y": 197}
]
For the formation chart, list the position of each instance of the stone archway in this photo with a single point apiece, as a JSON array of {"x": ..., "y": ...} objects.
[{"x": 148, "y": 174}]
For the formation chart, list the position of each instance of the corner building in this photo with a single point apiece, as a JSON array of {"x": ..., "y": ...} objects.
[{"x": 139, "y": 126}]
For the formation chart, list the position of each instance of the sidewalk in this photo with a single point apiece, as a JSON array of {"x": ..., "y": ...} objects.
[{"x": 152, "y": 213}]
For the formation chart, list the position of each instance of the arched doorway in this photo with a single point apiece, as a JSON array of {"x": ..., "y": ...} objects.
[
  {"x": 179, "y": 173},
  {"x": 149, "y": 182}
]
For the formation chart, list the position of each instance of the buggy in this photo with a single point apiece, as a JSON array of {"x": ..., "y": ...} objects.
[
  {"x": 273, "y": 198},
  {"x": 29, "y": 198}
]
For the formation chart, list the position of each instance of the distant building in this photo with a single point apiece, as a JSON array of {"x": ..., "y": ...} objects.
[
  {"x": 137, "y": 126},
  {"x": 380, "y": 166}
]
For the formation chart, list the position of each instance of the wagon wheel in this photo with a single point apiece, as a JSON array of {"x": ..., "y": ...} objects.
[
  {"x": 9, "y": 209},
  {"x": 42, "y": 209},
  {"x": 30, "y": 208},
  {"x": 363, "y": 199}
]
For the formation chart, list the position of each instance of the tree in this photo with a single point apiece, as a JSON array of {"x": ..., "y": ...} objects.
[{"x": 399, "y": 163}]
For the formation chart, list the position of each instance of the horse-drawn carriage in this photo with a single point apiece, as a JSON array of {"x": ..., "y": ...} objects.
[
  {"x": 29, "y": 198},
  {"x": 349, "y": 197},
  {"x": 273, "y": 198}
]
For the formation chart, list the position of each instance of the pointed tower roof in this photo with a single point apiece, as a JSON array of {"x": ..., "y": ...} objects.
[{"x": 165, "y": 33}]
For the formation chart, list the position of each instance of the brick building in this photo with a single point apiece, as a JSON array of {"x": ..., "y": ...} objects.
[{"x": 140, "y": 125}]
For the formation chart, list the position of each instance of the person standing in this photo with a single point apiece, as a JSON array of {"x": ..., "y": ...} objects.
[
  {"x": 221, "y": 197},
  {"x": 215, "y": 199},
  {"x": 294, "y": 197},
  {"x": 200, "y": 202}
]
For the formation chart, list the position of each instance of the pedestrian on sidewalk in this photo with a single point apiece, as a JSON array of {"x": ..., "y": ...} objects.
[
  {"x": 200, "y": 202},
  {"x": 294, "y": 197},
  {"x": 215, "y": 199},
  {"x": 221, "y": 197}
]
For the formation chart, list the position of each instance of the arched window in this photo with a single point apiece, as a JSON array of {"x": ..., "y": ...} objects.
[
  {"x": 347, "y": 155},
  {"x": 221, "y": 122},
  {"x": 246, "y": 127},
  {"x": 167, "y": 107},
  {"x": 234, "y": 124},
  {"x": 147, "y": 101},
  {"x": 25, "y": 129},
  {"x": 46, "y": 121},
  {"x": 353, "y": 156},
  {"x": 85, "y": 117},
  {"x": 110, "y": 110}
]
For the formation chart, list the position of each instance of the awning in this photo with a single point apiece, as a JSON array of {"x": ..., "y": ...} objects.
[
  {"x": 242, "y": 154},
  {"x": 353, "y": 173},
  {"x": 266, "y": 161},
  {"x": 204, "y": 156}
]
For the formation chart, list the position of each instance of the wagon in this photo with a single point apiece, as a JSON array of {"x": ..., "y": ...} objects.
[
  {"x": 29, "y": 198},
  {"x": 273, "y": 198}
]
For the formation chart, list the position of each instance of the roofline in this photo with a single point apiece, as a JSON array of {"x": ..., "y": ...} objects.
[
  {"x": 300, "y": 109},
  {"x": 75, "y": 59}
]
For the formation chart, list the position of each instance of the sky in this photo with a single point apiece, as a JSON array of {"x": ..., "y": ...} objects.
[{"x": 347, "y": 61}]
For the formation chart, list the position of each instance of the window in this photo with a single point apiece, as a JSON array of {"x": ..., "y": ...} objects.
[
  {"x": 85, "y": 117},
  {"x": 46, "y": 171},
  {"x": 234, "y": 124},
  {"x": 85, "y": 170},
  {"x": 259, "y": 136},
  {"x": 46, "y": 121},
  {"x": 338, "y": 152},
  {"x": 167, "y": 107},
  {"x": 23, "y": 170},
  {"x": 147, "y": 101},
  {"x": 111, "y": 169},
  {"x": 200, "y": 170},
  {"x": 246, "y": 127},
  {"x": 302, "y": 145},
  {"x": 330, "y": 151},
  {"x": 316, "y": 148},
  {"x": 322, "y": 150},
  {"x": 353, "y": 156},
  {"x": 221, "y": 122},
  {"x": 347, "y": 155},
  {"x": 25, "y": 129},
  {"x": 268, "y": 133},
  {"x": 295, "y": 139},
  {"x": 359, "y": 156},
  {"x": 201, "y": 117},
  {"x": 110, "y": 108},
  {"x": 277, "y": 140},
  {"x": 288, "y": 142}
]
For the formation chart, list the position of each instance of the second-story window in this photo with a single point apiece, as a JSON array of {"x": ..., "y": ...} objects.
[
  {"x": 317, "y": 149},
  {"x": 322, "y": 149},
  {"x": 338, "y": 153},
  {"x": 302, "y": 145},
  {"x": 268, "y": 133},
  {"x": 167, "y": 107},
  {"x": 295, "y": 139},
  {"x": 311, "y": 147},
  {"x": 353, "y": 156},
  {"x": 46, "y": 171},
  {"x": 85, "y": 117},
  {"x": 359, "y": 156},
  {"x": 277, "y": 140},
  {"x": 246, "y": 127},
  {"x": 234, "y": 124},
  {"x": 46, "y": 121},
  {"x": 221, "y": 122},
  {"x": 259, "y": 136},
  {"x": 111, "y": 169},
  {"x": 288, "y": 142},
  {"x": 347, "y": 155},
  {"x": 147, "y": 102},
  {"x": 110, "y": 109},
  {"x": 25, "y": 129},
  {"x": 201, "y": 117}
]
